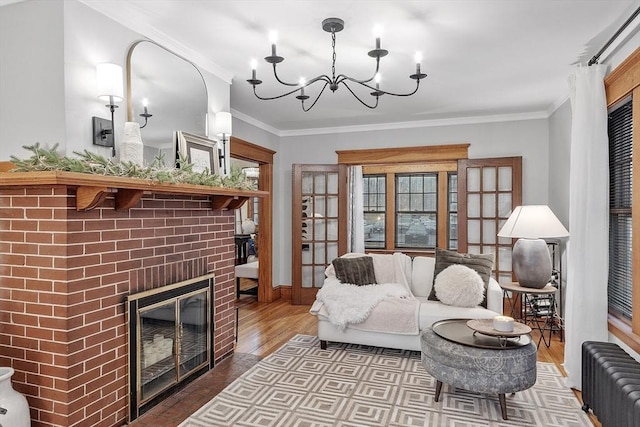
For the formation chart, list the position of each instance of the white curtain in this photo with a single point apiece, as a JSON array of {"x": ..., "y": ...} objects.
[
  {"x": 587, "y": 252},
  {"x": 355, "y": 226}
]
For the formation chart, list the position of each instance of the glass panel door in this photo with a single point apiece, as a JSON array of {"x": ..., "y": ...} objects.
[
  {"x": 491, "y": 189},
  {"x": 319, "y": 198}
]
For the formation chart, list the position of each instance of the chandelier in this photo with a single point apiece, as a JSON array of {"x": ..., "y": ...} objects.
[{"x": 333, "y": 26}]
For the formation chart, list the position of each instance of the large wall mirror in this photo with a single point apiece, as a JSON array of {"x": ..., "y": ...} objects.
[{"x": 176, "y": 94}]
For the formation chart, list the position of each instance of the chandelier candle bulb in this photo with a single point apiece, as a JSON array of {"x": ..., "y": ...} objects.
[
  {"x": 503, "y": 323},
  {"x": 145, "y": 104}
]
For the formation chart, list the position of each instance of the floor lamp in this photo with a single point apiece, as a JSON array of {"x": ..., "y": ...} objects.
[{"x": 530, "y": 257}]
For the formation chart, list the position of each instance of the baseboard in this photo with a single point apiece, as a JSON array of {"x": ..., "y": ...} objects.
[{"x": 282, "y": 292}]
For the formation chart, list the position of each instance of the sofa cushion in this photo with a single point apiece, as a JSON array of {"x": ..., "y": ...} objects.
[
  {"x": 422, "y": 275},
  {"x": 330, "y": 271},
  {"x": 358, "y": 271},
  {"x": 460, "y": 286},
  {"x": 481, "y": 263}
]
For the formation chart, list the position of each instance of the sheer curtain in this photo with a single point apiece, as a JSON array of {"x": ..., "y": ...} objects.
[
  {"x": 355, "y": 226},
  {"x": 587, "y": 252}
]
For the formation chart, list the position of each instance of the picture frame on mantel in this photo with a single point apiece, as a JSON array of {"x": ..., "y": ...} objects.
[{"x": 200, "y": 151}]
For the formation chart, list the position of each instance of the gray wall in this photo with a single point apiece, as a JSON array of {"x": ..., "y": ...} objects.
[
  {"x": 49, "y": 51},
  {"x": 32, "y": 103}
]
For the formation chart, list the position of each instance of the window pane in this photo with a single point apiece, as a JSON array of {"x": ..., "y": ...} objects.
[
  {"x": 488, "y": 179},
  {"x": 489, "y": 205},
  {"x": 374, "y": 225},
  {"x": 504, "y": 178},
  {"x": 416, "y": 210},
  {"x": 473, "y": 179},
  {"x": 452, "y": 203}
]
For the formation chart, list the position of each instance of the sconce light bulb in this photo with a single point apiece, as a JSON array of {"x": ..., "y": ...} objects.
[
  {"x": 273, "y": 37},
  {"x": 253, "y": 63},
  {"x": 145, "y": 102},
  {"x": 378, "y": 30},
  {"x": 418, "y": 57}
]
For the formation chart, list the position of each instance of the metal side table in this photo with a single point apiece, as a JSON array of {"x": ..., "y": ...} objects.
[{"x": 537, "y": 308}]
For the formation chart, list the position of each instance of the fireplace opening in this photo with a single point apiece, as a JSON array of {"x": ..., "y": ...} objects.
[{"x": 170, "y": 340}]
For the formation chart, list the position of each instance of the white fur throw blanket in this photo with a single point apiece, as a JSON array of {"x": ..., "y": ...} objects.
[{"x": 386, "y": 307}]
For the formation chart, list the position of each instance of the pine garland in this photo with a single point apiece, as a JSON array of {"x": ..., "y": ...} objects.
[{"x": 48, "y": 159}]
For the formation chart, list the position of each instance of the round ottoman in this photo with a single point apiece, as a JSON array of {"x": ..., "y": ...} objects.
[{"x": 476, "y": 369}]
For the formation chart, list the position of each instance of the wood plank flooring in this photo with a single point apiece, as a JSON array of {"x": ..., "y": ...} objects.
[{"x": 263, "y": 328}]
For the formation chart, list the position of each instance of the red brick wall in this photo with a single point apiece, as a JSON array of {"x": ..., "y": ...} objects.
[{"x": 64, "y": 277}]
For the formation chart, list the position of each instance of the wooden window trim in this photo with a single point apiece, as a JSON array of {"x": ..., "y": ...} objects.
[
  {"x": 621, "y": 82},
  {"x": 430, "y": 153}
]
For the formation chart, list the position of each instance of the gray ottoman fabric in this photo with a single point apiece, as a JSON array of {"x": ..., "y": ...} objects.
[{"x": 478, "y": 369}]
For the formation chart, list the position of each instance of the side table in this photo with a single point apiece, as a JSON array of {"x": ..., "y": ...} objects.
[{"x": 539, "y": 316}]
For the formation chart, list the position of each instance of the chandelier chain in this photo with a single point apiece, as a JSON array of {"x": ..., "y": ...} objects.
[{"x": 333, "y": 64}]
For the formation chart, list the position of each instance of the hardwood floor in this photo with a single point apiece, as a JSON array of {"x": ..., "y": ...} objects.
[{"x": 263, "y": 328}]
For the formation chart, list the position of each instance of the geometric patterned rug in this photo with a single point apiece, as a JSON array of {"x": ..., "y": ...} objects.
[{"x": 356, "y": 386}]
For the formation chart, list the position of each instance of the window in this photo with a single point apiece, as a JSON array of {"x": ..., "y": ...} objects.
[
  {"x": 619, "y": 288},
  {"x": 402, "y": 207},
  {"x": 453, "y": 211},
  {"x": 623, "y": 98},
  {"x": 374, "y": 202},
  {"x": 416, "y": 210}
]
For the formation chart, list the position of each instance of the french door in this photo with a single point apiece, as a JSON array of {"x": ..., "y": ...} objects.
[
  {"x": 319, "y": 225},
  {"x": 488, "y": 191}
]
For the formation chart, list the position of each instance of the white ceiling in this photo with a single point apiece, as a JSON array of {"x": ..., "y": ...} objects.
[{"x": 482, "y": 57}]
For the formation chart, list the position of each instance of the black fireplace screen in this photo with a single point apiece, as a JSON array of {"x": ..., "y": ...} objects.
[{"x": 170, "y": 339}]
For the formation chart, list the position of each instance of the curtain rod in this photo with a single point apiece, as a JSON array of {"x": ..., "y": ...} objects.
[{"x": 595, "y": 58}]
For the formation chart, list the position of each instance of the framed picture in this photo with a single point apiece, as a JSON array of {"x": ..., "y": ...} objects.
[{"x": 201, "y": 152}]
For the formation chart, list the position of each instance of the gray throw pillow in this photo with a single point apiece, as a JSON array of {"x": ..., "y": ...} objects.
[
  {"x": 357, "y": 271},
  {"x": 481, "y": 263}
]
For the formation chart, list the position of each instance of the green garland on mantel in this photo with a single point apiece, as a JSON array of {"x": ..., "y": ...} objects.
[{"x": 48, "y": 159}]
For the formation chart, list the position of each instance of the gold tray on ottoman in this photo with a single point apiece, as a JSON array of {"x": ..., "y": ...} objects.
[{"x": 485, "y": 327}]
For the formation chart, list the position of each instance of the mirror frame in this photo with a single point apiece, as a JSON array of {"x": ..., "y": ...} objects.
[{"x": 130, "y": 117}]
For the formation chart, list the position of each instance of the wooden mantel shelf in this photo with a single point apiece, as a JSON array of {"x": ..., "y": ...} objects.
[{"x": 91, "y": 190}]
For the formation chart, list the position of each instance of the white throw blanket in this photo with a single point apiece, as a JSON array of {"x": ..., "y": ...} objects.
[
  {"x": 360, "y": 306},
  {"x": 346, "y": 303}
]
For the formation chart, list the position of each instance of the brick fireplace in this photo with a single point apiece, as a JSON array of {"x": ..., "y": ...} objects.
[{"x": 64, "y": 278}]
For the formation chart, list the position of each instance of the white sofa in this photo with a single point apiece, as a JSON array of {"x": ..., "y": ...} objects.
[{"x": 419, "y": 276}]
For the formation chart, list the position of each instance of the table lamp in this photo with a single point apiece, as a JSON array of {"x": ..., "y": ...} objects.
[{"x": 530, "y": 257}]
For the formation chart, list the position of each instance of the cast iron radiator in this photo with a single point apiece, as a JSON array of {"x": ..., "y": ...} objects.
[{"x": 610, "y": 384}]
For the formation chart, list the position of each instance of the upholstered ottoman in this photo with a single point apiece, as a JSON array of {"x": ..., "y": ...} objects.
[{"x": 482, "y": 370}]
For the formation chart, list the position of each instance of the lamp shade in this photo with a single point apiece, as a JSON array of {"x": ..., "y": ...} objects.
[
  {"x": 109, "y": 81},
  {"x": 223, "y": 123},
  {"x": 533, "y": 222}
]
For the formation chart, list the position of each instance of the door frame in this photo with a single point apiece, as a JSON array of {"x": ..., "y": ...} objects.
[{"x": 244, "y": 150}]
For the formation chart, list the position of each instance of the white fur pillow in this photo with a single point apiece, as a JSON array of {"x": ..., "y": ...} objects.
[{"x": 460, "y": 286}]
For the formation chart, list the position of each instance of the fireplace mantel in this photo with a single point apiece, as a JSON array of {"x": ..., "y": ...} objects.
[{"x": 91, "y": 190}]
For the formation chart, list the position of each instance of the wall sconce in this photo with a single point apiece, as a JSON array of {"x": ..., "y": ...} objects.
[
  {"x": 223, "y": 128},
  {"x": 146, "y": 115},
  {"x": 110, "y": 88}
]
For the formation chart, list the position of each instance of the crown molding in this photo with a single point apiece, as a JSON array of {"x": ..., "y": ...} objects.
[
  {"x": 418, "y": 124},
  {"x": 168, "y": 42},
  {"x": 254, "y": 122},
  {"x": 392, "y": 126},
  {"x": 557, "y": 104}
]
